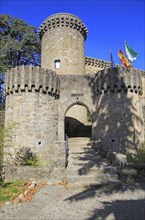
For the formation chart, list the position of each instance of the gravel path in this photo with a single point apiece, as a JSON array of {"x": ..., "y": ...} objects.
[{"x": 60, "y": 203}]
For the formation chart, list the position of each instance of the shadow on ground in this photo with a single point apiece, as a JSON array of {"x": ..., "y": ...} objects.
[{"x": 120, "y": 210}]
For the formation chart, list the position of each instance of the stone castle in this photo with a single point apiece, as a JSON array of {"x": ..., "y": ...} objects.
[{"x": 73, "y": 95}]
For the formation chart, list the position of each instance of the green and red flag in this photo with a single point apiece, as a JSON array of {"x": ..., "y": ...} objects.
[
  {"x": 130, "y": 53},
  {"x": 123, "y": 59}
]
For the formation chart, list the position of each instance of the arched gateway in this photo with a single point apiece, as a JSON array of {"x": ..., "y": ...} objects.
[{"x": 78, "y": 121}]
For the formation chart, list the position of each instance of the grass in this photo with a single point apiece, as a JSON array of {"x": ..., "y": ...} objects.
[{"x": 9, "y": 191}]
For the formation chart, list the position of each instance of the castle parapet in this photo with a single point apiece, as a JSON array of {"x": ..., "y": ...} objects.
[
  {"x": 28, "y": 78},
  {"x": 116, "y": 80},
  {"x": 61, "y": 20},
  {"x": 101, "y": 64}
]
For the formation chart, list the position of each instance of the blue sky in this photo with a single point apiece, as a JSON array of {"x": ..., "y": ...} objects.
[{"x": 109, "y": 22}]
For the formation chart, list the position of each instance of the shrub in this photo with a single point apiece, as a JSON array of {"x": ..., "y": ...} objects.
[
  {"x": 32, "y": 161},
  {"x": 89, "y": 117},
  {"x": 139, "y": 157},
  {"x": 24, "y": 156}
]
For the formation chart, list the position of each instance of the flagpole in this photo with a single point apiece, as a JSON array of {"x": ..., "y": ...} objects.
[
  {"x": 125, "y": 55},
  {"x": 110, "y": 58},
  {"x": 118, "y": 57},
  {"x": 129, "y": 60},
  {"x": 124, "y": 48}
]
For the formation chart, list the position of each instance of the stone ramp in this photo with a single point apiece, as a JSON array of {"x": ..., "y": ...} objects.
[{"x": 85, "y": 167}]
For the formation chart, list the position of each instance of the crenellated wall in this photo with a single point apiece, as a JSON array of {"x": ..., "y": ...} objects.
[
  {"x": 94, "y": 65},
  {"x": 63, "y": 19},
  {"x": 117, "y": 79},
  {"x": 28, "y": 78},
  {"x": 63, "y": 37},
  {"x": 118, "y": 120},
  {"x": 31, "y": 108}
]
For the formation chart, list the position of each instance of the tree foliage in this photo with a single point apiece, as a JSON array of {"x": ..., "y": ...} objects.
[{"x": 19, "y": 43}]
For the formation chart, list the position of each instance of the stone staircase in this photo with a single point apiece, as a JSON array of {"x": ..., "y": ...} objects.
[{"x": 85, "y": 167}]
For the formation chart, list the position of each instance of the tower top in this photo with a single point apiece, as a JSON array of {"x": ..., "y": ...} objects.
[{"x": 63, "y": 19}]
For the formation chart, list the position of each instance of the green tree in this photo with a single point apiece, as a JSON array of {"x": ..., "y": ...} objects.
[{"x": 19, "y": 43}]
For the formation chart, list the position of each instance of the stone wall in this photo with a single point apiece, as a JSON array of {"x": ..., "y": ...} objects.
[
  {"x": 74, "y": 90},
  {"x": 31, "y": 109},
  {"x": 2, "y": 117},
  {"x": 143, "y": 96},
  {"x": 28, "y": 173},
  {"x": 78, "y": 112},
  {"x": 94, "y": 65},
  {"x": 118, "y": 120}
]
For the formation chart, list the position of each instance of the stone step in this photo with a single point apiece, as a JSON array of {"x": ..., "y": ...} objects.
[
  {"x": 93, "y": 170},
  {"x": 92, "y": 159},
  {"x": 92, "y": 177},
  {"x": 87, "y": 184},
  {"x": 77, "y": 139},
  {"x": 99, "y": 185},
  {"x": 80, "y": 143},
  {"x": 84, "y": 156},
  {"x": 79, "y": 180},
  {"x": 83, "y": 149},
  {"x": 87, "y": 180},
  {"x": 83, "y": 165}
]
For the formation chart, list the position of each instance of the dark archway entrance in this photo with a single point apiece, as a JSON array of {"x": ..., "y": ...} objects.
[{"x": 78, "y": 121}]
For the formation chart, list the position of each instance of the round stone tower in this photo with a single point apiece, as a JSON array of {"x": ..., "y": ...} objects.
[
  {"x": 118, "y": 121},
  {"x": 63, "y": 37}
]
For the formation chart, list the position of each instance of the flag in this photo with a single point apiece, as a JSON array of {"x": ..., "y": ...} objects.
[
  {"x": 130, "y": 53},
  {"x": 112, "y": 63},
  {"x": 123, "y": 59}
]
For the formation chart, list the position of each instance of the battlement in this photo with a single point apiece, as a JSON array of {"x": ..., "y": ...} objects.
[
  {"x": 61, "y": 20},
  {"x": 97, "y": 63},
  {"x": 101, "y": 64},
  {"x": 116, "y": 80},
  {"x": 28, "y": 78}
]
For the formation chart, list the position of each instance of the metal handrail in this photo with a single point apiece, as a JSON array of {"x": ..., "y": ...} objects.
[{"x": 66, "y": 150}]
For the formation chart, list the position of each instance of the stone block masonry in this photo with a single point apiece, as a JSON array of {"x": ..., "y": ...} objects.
[
  {"x": 30, "y": 105},
  {"x": 2, "y": 117},
  {"x": 118, "y": 120}
]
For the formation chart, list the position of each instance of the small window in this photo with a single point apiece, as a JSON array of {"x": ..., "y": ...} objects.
[{"x": 57, "y": 64}]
